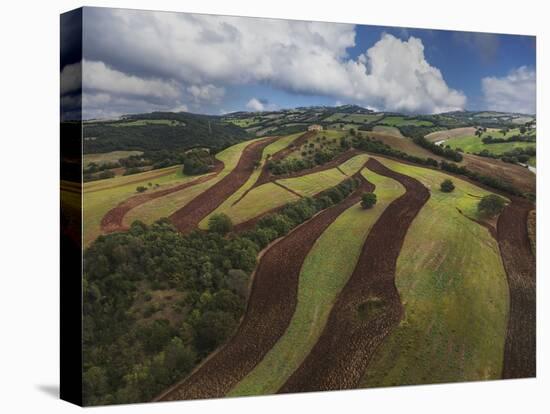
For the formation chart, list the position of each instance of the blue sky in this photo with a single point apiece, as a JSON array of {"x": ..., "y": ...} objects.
[{"x": 140, "y": 61}]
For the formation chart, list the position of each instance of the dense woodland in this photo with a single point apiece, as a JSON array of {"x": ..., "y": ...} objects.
[
  {"x": 189, "y": 130},
  {"x": 132, "y": 356}
]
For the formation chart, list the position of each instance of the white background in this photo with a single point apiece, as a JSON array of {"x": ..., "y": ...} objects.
[{"x": 29, "y": 246}]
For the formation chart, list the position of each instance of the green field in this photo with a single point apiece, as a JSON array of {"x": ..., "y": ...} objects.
[
  {"x": 256, "y": 202},
  {"x": 401, "y": 121},
  {"x": 330, "y": 134},
  {"x": 237, "y": 212},
  {"x": 388, "y": 130},
  {"x": 357, "y": 118},
  {"x": 311, "y": 184},
  {"x": 163, "y": 207},
  {"x": 101, "y": 196},
  {"x": 242, "y": 122},
  {"x": 473, "y": 144},
  {"x": 107, "y": 157},
  {"x": 354, "y": 164},
  {"x": 145, "y": 122},
  {"x": 325, "y": 272},
  {"x": 454, "y": 290}
]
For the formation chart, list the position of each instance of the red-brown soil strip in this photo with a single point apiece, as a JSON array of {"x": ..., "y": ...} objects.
[
  {"x": 368, "y": 307},
  {"x": 265, "y": 175},
  {"x": 188, "y": 217},
  {"x": 113, "y": 220},
  {"x": 519, "y": 263},
  {"x": 270, "y": 308}
]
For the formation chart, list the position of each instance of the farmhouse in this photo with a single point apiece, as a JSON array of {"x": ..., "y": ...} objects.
[{"x": 315, "y": 127}]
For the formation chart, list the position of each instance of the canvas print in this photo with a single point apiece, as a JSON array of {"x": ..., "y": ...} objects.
[{"x": 273, "y": 206}]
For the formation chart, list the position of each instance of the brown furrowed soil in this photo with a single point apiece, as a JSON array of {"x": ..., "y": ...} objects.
[
  {"x": 519, "y": 263},
  {"x": 188, "y": 217},
  {"x": 369, "y": 305},
  {"x": 112, "y": 221},
  {"x": 450, "y": 133},
  {"x": 520, "y": 177},
  {"x": 265, "y": 175},
  {"x": 270, "y": 308}
]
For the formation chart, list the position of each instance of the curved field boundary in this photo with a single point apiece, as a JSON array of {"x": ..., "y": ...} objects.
[
  {"x": 265, "y": 175},
  {"x": 452, "y": 283},
  {"x": 325, "y": 272},
  {"x": 188, "y": 217},
  {"x": 113, "y": 220},
  {"x": 513, "y": 239},
  {"x": 270, "y": 308},
  {"x": 121, "y": 181},
  {"x": 369, "y": 306}
]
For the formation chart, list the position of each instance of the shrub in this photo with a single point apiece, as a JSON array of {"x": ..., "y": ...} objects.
[
  {"x": 220, "y": 223},
  {"x": 447, "y": 186},
  {"x": 491, "y": 205},
  {"x": 368, "y": 200},
  {"x": 141, "y": 189}
]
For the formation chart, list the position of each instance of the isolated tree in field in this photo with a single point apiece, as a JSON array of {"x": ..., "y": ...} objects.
[
  {"x": 447, "y": 186},
  {"x": 368, "y": 200},
  {"x": 141, "y": 189},
  {"x": 220, "y": 223},
  {"x": 491, "y": 205}
]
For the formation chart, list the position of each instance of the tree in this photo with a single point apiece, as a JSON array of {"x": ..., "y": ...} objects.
[
  {"x": 447, "y": 186},
  {"x": 368, "y": 200},
  {"x": 491, "y": 205},
  {"x": 220, "y": 223},
  {"x": 141, "y": 189}
]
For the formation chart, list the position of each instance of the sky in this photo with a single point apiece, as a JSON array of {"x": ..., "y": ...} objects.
[{"x": 141, "y": 61}]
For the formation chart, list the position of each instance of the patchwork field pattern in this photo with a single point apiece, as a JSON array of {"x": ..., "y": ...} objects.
[{"x": 420, "y": 288}]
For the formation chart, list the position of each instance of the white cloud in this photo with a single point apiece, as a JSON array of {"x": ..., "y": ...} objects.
[
  {"x": 179, "y": 108},
  {"x": 515, "y": 92},
  {"x": 206, "y": 93},
  {"x": 394, "y": 74},
  {"x": 255, "y": 105},
  {"x": 100, "y": 77},
  {"x": 71, "y": 78},
  {"x": 302, "y": 57}
]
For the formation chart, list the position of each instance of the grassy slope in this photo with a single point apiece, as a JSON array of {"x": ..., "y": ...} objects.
[
  {"x": 401, "y": 144},
  {"x": 388, "y": 130},
  {"x": 399, "y": 121},
  {"x": 311, "y": 184},
  {"x": 269, "y": 196},
  {"x": 325, "y": 272},
  {"x": 145, "y": 122},
  {"x": 474, "y": 144},
  {"x": 107, "y": 157},
  {"x": 101, "y": 196},
  {"x": 471, "y": 143},
  {"x": 244, "y": 209},
  {"x": 453, "y": 286},
  {"x": 165, "y": 206}
]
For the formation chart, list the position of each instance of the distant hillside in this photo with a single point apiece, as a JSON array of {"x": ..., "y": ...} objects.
[{"x": 160, "y": 131}]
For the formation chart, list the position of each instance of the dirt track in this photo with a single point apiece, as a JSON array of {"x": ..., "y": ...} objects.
[
  {"x": 188, "y": 217},
  {"x": 270, "y": 308},
  {"x": 519, "y": 263},
  {"x": 112, "y": 221},
  {"x": 369, "y": 306}
]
